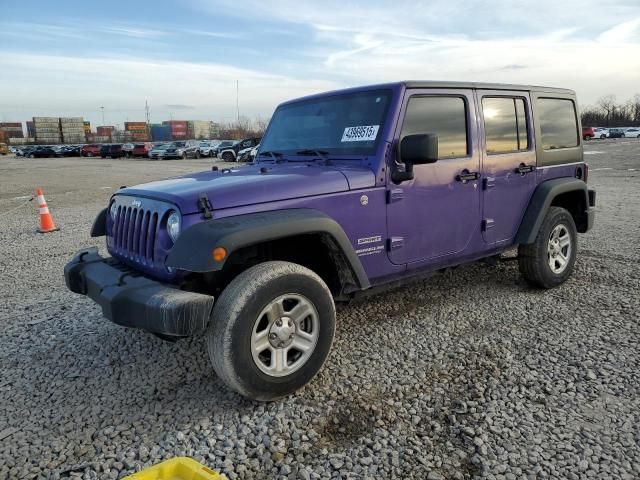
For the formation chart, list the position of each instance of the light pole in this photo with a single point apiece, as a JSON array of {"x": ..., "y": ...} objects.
[{"x": 102, "y": 108}]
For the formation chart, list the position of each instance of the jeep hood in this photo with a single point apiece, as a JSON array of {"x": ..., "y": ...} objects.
[{"x": 254, "y": 184}]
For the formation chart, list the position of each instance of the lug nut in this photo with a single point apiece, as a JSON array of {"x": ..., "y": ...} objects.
[
  {"x": 272, "y": 336},
  {"x": 281, "y": 344},
  {"x": 291, "y": 336},
  {"x": 279, "y": 323}
]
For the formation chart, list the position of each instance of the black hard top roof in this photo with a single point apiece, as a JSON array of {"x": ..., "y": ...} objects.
[{"x": 481, "y": 85}]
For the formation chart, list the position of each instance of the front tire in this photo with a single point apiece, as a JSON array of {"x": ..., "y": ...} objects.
[
  {"x": 549, "y": 260},
  {"x": 272, "y": 330},
  {"x": 228, "y": 157}
]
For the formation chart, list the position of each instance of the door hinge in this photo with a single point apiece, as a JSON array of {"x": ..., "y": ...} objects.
[
  {"x": 395, "y": 195},
  {"x": 487, "y": 224},
  {"x": 488, "y": 182},
  {"x": 394, "y": 243}
]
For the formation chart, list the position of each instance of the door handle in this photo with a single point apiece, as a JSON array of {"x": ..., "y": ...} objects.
[
  {"x": 524, "y": 169},
  {"x": 466, "y": 176}
]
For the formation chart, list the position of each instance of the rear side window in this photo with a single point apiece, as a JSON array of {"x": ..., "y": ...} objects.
[
  {"x": 505, "y": 124},
  {"x": 558, "y": 123},
  {"x": 444, "y": 116}
]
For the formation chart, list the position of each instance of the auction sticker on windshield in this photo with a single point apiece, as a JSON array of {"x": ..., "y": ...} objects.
[{"x": 363, "y": 133}]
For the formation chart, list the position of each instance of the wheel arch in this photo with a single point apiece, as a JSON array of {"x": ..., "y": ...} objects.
[
  {"x": 568, "y": 193},
  {"x": 304, "y": 236}
]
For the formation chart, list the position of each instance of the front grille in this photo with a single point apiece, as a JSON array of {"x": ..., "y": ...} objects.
[{"x": 134, "y": 234}]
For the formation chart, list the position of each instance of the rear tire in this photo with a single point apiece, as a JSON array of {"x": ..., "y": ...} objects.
[
  {"x": 227, "y": 157},
  {"x": 258, "y": 323},
  {"x": 184, "y": 156},
  {"x": 197, "y": 154},
  {"x": 549, "y": 260}
]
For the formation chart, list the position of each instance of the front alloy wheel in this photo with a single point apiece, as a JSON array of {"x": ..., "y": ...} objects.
[{"x": 285, "y": 335}]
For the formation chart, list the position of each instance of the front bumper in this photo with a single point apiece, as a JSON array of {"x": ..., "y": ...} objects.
[{"x": 132, "y": 300}]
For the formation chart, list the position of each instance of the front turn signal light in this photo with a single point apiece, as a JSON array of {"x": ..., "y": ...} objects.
[{"x": 219, "y": 254}]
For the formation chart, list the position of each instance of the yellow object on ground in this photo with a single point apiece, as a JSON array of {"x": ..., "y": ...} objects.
[{"x": 179, "y": 468}]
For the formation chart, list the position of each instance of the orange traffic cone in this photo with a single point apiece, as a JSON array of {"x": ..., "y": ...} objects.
[{"x": 46, "y": 220}]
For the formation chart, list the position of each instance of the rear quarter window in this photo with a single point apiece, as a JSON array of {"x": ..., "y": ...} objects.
[{"x": 558, "y": 123}]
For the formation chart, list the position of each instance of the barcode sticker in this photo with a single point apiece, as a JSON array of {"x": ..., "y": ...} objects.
[{"x": 363, "y": 133}]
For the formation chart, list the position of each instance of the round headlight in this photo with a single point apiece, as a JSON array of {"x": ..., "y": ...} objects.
[
  {"x": 113, "y": 211},
  {"x": 173, "y": 225}
]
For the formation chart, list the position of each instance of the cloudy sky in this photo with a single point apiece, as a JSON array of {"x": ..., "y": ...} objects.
[{"x": 69, "y": 58}]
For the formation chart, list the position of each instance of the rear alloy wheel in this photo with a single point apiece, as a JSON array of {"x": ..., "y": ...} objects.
[
  {"x": 271, "y": 330},
  {"x": 550, "y": 259}
]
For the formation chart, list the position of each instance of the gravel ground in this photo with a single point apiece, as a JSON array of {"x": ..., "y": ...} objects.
[{"x": 470, "y": 374}]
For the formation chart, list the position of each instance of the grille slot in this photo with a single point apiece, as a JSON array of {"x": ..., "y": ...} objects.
[{"x": 134, "y": 234}]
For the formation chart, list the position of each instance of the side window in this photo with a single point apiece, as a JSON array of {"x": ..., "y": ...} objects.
[
  {"x": 558, "y": 123},
  {"x": 444, "y": 116},
  {"x": 505, "y": 124}
]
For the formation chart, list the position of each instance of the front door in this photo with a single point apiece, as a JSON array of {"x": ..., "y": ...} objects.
[
  {"x": 508, "y": 163},
  {"x": 437, "y": 213}
]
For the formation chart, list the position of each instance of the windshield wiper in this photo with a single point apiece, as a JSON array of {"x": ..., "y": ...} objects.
[
  {"x": 310, "y": 151},
  {"x": 272, "y": 154}
]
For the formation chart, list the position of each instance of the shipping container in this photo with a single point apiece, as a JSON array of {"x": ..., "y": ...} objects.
[
  {"x": 31, "y": 130},
  {"x": 106, "y": 130},
  {"x": 71, "y": 120},
  {"x": 160, "y": 133}
]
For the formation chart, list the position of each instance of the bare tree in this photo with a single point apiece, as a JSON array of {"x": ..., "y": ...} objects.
[{"x": 608, "y": 105}]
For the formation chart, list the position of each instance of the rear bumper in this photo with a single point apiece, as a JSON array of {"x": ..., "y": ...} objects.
[
  {"x": 591, "y": 210},
  {"x": 132, "y": 300}
]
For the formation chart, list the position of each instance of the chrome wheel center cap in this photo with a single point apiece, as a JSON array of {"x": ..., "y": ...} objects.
[{"x": 282, "y": 332}]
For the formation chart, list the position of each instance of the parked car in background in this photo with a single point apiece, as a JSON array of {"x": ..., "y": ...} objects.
[
  {"x": 141, "y": 149},
  {"x": 4, "y": 149},
  {"x": 42, "y": 152},
  {"x": 112, "y": 151},
  {"x": 158, "y": 151},
  {"x": 127, "y": 148},
  {"x": 63, "y": 151},
  {"x": 633, "y": 132},
  {"x": 616, "y": 133},
  {"x": 230, "y": 154},
  {"x": 601, "y": 132},
  {"x": 244, "y": 155},
  {"x": 221, "y": 146},
  {"x": 175, "y": 150},
  {"x": 588, "y": 133},
  {"x": 199, "y": 149},
  {"x": 91, "y": 150}
]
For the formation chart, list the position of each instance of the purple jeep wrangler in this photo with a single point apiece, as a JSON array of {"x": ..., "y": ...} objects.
[{"x": 351, "y": 191}]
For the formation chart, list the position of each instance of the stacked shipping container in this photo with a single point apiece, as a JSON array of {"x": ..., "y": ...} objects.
[
  {"x": 72, "y": 129},
  {"x": 201, "y": 129},
  {"x": 178, "y": 129},
  {"x": 47, "y": 129},
  {"x": 31, "y": 129},
  {"x": 160, "y": 133},
  {"x": 105, "y": 131},
  {"x": 139, "y": 131},
  {"x": 87, "y": 128},
  {"x": 11, "y": 130}
]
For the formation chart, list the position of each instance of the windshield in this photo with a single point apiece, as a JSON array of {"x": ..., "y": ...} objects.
[
  {"x": 348, "y": 124},
  {"x": 161, "y": 147}
]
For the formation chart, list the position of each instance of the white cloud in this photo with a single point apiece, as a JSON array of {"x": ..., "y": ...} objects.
[{"x": 79, "y": 86}]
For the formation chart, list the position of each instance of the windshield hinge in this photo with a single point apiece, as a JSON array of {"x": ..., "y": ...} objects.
[{"x": 205, "y": 205}]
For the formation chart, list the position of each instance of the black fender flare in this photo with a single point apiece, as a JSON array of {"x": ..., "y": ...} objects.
[
  {"x": 541, "y": 201},
  {"x": 99, "y": 227},
  {"x": 193, "y": 248}
]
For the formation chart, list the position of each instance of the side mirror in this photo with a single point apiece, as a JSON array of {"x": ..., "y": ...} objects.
[
  {"x": 415, "y": 150},
  {"x": 419, "y": 149}
]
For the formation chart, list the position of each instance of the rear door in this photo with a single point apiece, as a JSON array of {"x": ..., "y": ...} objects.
[{"x": 508, "y": 162}]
